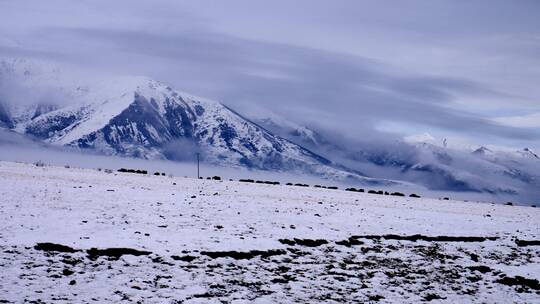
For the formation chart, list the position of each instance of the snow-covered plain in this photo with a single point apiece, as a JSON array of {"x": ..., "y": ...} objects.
[{"x": 182, "y": 240}]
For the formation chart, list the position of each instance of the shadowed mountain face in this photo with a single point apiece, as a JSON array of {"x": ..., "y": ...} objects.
[
  {"x": 140, "y": 117},
  {"x": 5, "y": 120}
]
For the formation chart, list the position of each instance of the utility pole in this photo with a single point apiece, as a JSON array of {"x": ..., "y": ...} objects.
[{"x": 198, "y": 172}]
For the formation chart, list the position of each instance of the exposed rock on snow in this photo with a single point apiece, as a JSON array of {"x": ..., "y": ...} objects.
[{"x": 64, "y": 237}]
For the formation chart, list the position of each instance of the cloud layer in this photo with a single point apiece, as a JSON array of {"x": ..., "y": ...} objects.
[{"x": 444, "y": 67}]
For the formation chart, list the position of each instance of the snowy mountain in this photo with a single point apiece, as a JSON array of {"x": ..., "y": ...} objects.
[
  {"x": 141, "y": 117},
  {"x": 438, "y": 164},
  {"x": 144, "y": 118},
  {"x": 526, "y": 152},
  {"x": 482, "y": 151},
  {"x": 285, "y": 128}
]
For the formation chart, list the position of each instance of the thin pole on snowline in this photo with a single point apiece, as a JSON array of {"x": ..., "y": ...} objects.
[{"x": 198, "y": 171}]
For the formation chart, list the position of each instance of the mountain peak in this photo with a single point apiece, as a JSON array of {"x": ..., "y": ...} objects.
[
  {"x": 526, "y": 152},
  {"x": 482, "y": 151},
  {"x": 140, "y": 117}
]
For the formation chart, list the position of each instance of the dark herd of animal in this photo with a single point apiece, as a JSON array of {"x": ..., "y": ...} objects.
[
  {"x": 137, "y": 171},
  {"x": 380, "y": 192},
  {"x": 132, "y": 171},
  {"x": 218, "y": 178},
  {"x": 352, "y": 189}
]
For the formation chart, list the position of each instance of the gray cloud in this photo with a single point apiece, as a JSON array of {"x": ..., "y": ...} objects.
[{"x": 334, "y": 87}]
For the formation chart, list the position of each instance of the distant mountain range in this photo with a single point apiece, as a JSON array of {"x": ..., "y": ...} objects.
[
  {"x": 437, "y": 164},
  {"x": 141, "y": 117},
  {"x": 144, "y": 118}
]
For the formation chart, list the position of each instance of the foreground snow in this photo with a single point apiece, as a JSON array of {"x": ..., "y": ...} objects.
[{"x": 191, "y": 241}]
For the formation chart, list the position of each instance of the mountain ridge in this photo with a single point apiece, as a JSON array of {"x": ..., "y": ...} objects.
[
  {"x": 440, "y": 165},
  {"x": 141, "y": 117},
  {"x": 137, "y": 116}
]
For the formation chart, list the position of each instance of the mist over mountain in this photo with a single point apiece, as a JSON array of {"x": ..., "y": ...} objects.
[
  {"x": 437, "y": 164},
  {"x": 143, "y": 118}
]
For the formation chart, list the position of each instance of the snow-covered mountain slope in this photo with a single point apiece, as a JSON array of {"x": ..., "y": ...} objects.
[
  {"x": 462, "y": 146},
  {"x": 442, "y": 168},
  {"x": 285, "y": 128},
  {"x": 140, "y": 117},
  {"x": 437, "y": 164},
  {"x": 181, "y": 240},
  {"x": 526, "y": 152}
]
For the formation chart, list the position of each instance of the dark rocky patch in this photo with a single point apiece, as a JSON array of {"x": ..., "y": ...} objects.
[
  {"x": 287, "y": 242},
  {"x": 54, "y": 247},
  {"x": 474, "y": 257},
  {"x": 114, "y": 253},
  {"x": 375, "y": 298},
  {"x": 160, "y": 260},
  {"x": 67, "y": 272},
  {"x": 519, "y": 281},
  {"x": 185, "y": 258},
  {"x": 310, "y": 242},
  {"x": 432, "y": 296},
  {"x": 481, "y": 268},
  {"x": 419, "y": 237},
  {"x": 523, "y": 243},
  {"x": 303, "y": 242},
  {"x": 203, "y": 295},
  {"x": 243, "y": 255},
  {"x": 350, "y": 242}
]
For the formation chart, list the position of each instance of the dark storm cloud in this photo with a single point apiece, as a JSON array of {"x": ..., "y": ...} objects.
[
  {"x": 328, "y": 85},
  {"x": 348, "y": 87}
]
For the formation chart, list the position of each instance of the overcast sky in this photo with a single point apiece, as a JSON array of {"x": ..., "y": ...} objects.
[{"x": 468, "y": 69}]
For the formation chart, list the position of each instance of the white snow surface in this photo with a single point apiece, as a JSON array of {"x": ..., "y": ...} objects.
[{"x": 184, "y": 224}]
